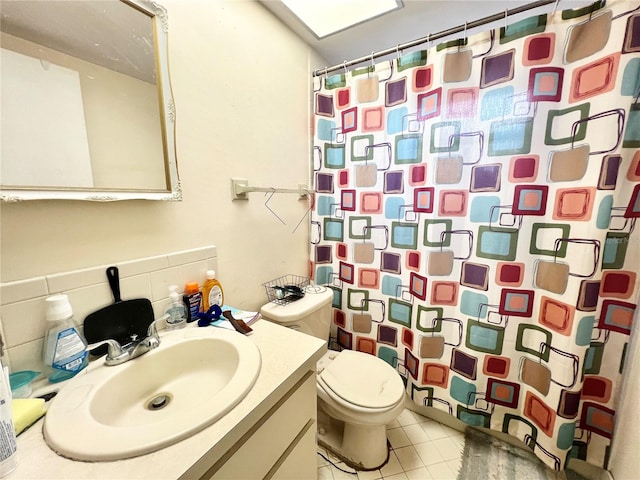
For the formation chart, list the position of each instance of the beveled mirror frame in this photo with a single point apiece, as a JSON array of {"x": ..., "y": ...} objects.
[{"x": 158, "y": 16}]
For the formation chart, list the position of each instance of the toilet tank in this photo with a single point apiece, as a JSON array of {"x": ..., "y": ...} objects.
[{"x": 311, "y": 314}]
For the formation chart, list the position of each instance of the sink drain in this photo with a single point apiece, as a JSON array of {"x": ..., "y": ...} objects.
[{"x": 159, "y": 402}]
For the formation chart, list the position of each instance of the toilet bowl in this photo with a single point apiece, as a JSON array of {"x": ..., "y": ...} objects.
[
  {"x": 363, "y": 394},
  {"x": 358, "y": 394}
]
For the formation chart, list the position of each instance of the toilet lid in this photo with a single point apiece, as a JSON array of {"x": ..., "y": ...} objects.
[{"x": 363, "y": 380}]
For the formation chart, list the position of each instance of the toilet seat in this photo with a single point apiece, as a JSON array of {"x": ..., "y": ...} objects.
[{"x": 362, "y": 382}]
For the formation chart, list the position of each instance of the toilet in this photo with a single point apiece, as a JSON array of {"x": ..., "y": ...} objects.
[{"x": 358, "y": 394}]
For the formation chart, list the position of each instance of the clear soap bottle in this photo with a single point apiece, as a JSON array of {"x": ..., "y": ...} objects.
[
  {"x": 176, "y": 311},
  {"x": 212, "y": 291},
  {"x": 64, "y": 347}
]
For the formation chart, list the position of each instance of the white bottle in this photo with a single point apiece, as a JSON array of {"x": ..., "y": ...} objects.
[
  {"x": 176, "y": 313},
  {"x": 64, "y": 347},
  {"x": 8, "y": 456}
]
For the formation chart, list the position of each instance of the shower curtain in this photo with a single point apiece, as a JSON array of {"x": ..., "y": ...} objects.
[{"x": 475, "y": 212}]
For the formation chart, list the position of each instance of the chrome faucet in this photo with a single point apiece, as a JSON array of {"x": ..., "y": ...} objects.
[{"x": 117, "y": 354}]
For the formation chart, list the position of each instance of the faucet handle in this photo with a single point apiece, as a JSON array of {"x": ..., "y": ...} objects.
[
  {"x": 152, "y": 329},
  {"x": 114, "y": 349},
  {"x": 153, "y": 339}
]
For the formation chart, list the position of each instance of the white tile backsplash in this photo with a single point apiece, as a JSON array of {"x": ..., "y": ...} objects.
[
  {"x": 22, "y": 306},
  {"x": 135, "y": 287},
  {"x": 65, "y": 281},
  {"x": 23, "y": 321},
  {"x": 89, "y": 299},
  {"x": 26, "y": 356},
  {"x": 144, "y": 265},
  {"x": 23, "y": 290},
  {"x": 194, "y": 272},
  {"x": 189, "y": 256},
  {"x": 161, "y": 279}
]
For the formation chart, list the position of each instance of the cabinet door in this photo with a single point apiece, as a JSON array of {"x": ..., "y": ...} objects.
[
  {"x": 258, "y": 453},
  {"x": 301, "y": 463}
]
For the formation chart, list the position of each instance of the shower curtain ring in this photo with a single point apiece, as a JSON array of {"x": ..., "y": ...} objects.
[
  {"x": 506, "y": 14},
  {"x": 464, "y": 37},
  {"x": 555, "y": 7},
  {"x": 398, "y": 51},
  {"x": 344, "y": 65},
  {"x": 372, "y": 68}
]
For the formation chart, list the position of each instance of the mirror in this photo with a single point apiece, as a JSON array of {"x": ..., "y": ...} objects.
[{"x": 87, "y": 111}]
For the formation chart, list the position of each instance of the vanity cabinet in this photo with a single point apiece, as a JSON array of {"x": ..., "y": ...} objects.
[
  {"x": 270, "y": 434},
  {"x": 281, "y": 445}
]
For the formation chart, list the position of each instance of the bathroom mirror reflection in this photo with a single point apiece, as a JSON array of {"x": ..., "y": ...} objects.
[{"x": 87, "y": 110}]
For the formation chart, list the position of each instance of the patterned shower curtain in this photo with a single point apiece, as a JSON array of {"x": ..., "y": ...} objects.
[{"x": 475, "y": 217}]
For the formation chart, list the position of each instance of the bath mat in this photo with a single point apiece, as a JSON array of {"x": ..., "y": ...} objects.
[{"x": 488, "y": 458}]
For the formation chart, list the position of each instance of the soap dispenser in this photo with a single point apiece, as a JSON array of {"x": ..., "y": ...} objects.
[{"x": 176, "y": 313}]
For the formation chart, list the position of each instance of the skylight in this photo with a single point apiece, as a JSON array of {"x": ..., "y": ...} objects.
[{"x": 326, "y": 17}]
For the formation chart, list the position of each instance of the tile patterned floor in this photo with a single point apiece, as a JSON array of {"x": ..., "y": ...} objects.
[{"x": 422, "y": 449}]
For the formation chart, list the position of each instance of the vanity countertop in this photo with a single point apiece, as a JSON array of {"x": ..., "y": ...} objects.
[{"x": 286, "y": 356}]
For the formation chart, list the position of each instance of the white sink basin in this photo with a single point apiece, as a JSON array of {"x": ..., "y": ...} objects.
[{"x": 192, "y": 379}]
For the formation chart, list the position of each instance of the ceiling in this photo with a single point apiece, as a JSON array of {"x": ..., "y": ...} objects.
[{"x": 417, "y": 19}]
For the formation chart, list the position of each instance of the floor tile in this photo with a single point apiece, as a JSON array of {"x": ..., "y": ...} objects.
[
  {"x": 322, "y": 462},
  {"x": 329, "y": 456},
  {"x": 455, "y": 465},
  {"x": 324, "y": 473},
  {"x": 407, "y": 418},
  {"x": 422, "y": 449},
  {"x": 442, "y": 471},
  {"x": 408, "y": 458},
  {"x": 450, "y": 431},
  {"x": 339, "y": 474},
  {"x": 447, "y": 448},
  {"x": 392, "y": 467},
  {"x": 398, "y": 476},
  {"x": 416, "y": 434},
  {"x": 428, "y": 453},
  {"x": 458, "y": 439},
  {"x": 434, "y": 430},
  {"x": 420, "y": 418},
  {"x": 419, "y": 474},
  {"x": 369, "y": 475},
  {"x": 394, "y": 424},
  {"x": 398, "y": 438}
]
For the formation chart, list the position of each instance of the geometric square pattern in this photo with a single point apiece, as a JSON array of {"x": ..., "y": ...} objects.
[
  {"x": 545, "y": 84},
  {"x": 538, "y": 49},
  {"x": 530, "y": 200},
  {"x": 497, "y": 68},
  {"x": 476, "y": 214}
]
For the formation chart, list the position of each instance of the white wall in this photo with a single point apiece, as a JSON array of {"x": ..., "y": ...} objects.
[{"x": 241, "y": 86}]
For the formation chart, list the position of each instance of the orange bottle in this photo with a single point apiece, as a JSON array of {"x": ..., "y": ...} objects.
[
  {"x": 193, "y": 300},
  {"x": 212, "y": 293}
]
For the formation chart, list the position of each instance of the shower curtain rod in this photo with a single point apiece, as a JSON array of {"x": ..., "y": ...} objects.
[{"x": 436, "y": 36}]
